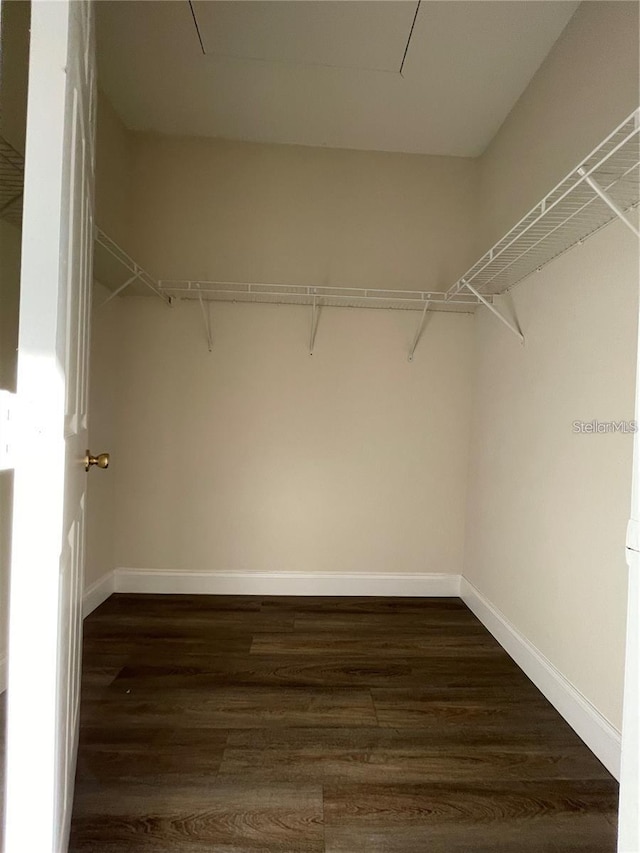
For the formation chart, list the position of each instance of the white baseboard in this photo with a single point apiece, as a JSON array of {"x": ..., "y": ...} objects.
[
  {"x": 285, "y": 583},
  {"x": 596, "y": 731},
  {"x": 98, "y": 592}
]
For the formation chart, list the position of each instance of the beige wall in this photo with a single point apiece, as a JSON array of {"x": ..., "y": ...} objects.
[
  {"x": 113, "y": 175},
  {"x": 259, "y": 457},
  {"x": 547, "y": 508},
  {"x": 277, "y": 214},
  {"x": 245, "y": 212},
  {"x": 286, "y": 214},
  {"x": 113, "y": 215},
  {"x": 104, "y": 379},
  {"x": 588, "y": 84}
]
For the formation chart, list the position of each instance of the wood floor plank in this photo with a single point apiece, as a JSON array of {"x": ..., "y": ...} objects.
[
  {"x": 470, "y": 738},
  {"x": 123, "y": 818},
  {"x": 209, "y": 625},
  {"x": 98, "y": 676},
  {"x": 182, "y": 647},
  {"x": 399, "y": 756},
  {"x": 479, "y": 802},
  {"x": 232, "y": 707},
  {"x": 322, "y": 725},
  {"x": 381, "y": 606},
  {"x": 455, "y": 622},
  {"x": 192, "y": 669},
  {"x": 558, "y": 834},
  {"x": 168, "y": 606},
  {"x": 520, "y": 816},
  {"x": 486, "y": 709},
  {"x": 422, "y": 644},
  {"x": 169, "y": 760}
]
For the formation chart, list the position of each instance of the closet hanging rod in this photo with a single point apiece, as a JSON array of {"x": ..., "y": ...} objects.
[
  {"x": 605, "y": 184},
  {"x": 354, "y": 297}
]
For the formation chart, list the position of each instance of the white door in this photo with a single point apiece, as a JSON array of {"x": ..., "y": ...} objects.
[
  {"x": 629, "y": 811},
  {"x": 45, "y": 626}
]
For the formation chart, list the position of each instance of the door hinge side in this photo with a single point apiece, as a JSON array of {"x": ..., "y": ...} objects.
[
  {"x": 633, "y": 540},
  {"x": 8, "y": 430}
]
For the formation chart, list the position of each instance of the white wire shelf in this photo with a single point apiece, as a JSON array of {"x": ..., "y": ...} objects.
[
  {"x": 570, "y": 213},
  {"x": 11, "y": 183},
  {"x": 119, "y": 272},
  {"x": 341, "y": 297}
]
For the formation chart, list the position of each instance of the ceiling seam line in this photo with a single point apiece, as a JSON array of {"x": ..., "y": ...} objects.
[
  {"x": 195, "y": 23},
  {"x": 406, "y": 49}
]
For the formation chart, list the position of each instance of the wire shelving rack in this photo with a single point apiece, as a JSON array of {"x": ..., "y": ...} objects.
[
  {"x": 573, "y": 210},
  {"x": 11, "y": 183},
  {"x": 603, "y": 187}
]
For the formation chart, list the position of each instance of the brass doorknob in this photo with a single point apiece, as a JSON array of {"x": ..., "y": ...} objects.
[{"x": 101, "y": 460}]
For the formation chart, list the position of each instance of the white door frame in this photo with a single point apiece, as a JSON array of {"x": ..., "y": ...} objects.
[
  {"x": 629, "y": 809},
  {"x": 49, "y": 481}
]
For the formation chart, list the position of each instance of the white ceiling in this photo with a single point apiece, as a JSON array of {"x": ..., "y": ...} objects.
[{"x": 326, "y": 72}]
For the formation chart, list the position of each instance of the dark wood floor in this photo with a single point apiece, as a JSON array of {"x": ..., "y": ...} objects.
[{"x": 313, "y": 725}]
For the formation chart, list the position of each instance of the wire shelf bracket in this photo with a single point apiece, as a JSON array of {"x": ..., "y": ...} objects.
[
  {"x": 119, "y": 290},
  {"x": 514, "y": 329},
  {"x": 317, "y": 298},
  {"x": 315, "y": 317},
  {"x": 137, "y": 272},
  {"x": 606, "y": 198},
  {"x": 206, "y": 316},
  {"x": 419, "y": 331}
]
